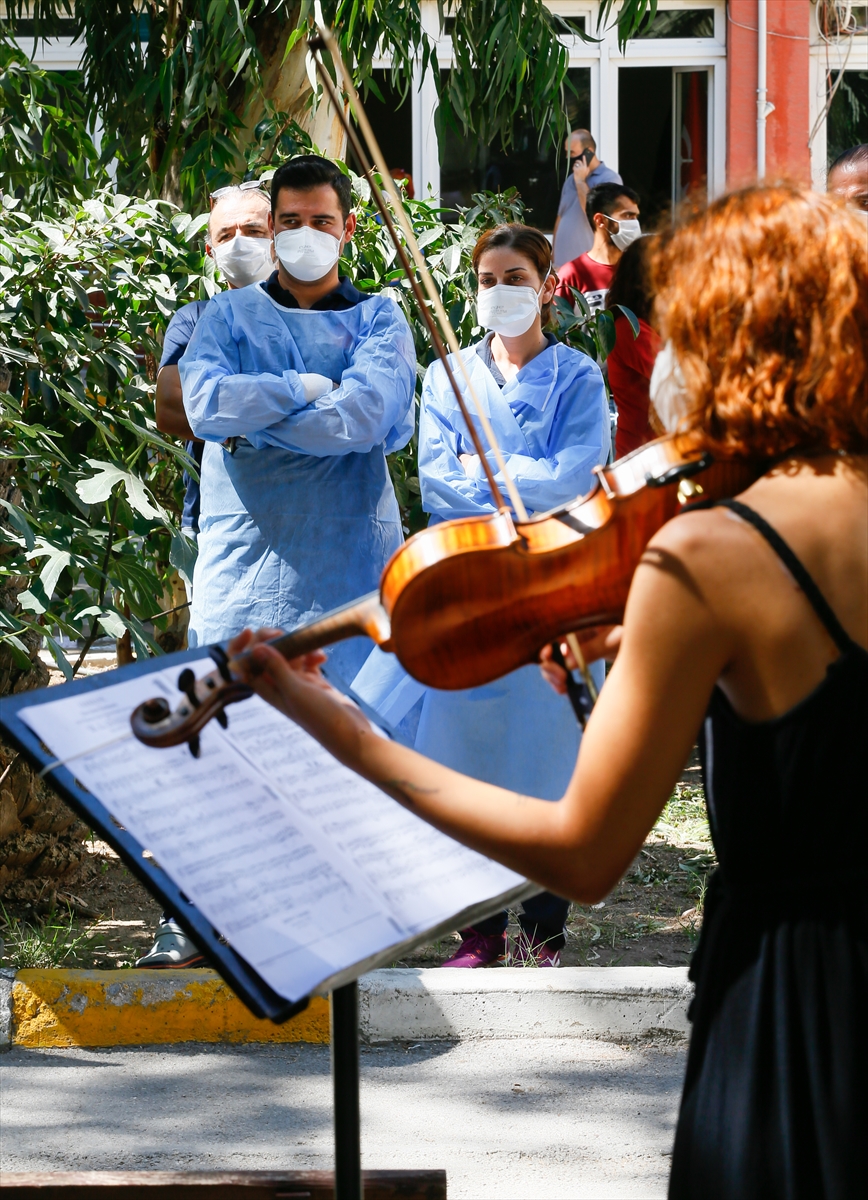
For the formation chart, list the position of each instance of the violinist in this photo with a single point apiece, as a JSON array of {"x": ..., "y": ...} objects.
[
  {"x": 547, "y": 404},
  {"x": 746, "y": 626}
]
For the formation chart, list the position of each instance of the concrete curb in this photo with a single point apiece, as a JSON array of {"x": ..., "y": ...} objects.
[
  {"x": 144, "y": 1008},
  {"x": 613, "y": 1003},
  {"x": 54, "y": 1008}
]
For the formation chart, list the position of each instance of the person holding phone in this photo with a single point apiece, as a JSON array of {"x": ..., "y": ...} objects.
[{"x": 573, "y": 234}]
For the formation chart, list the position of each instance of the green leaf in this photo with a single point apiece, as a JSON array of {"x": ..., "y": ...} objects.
[
  {"x": 113, "y": 623},
  {"x": 99, "y": 487},
  {"x": 631, "y": 317},
  {"x": 58, "y": 561},
  {"x": 606, "y": 332},
  {"x": 18, "y": 520},
  {"x": 18, "y": 651},
  {"x": 182, "y": 556},
  {"x": 58, "y": 656}
]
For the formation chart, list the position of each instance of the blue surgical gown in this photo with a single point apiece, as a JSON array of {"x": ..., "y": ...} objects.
[
  {"x": 551, "y": 421},
  {"x": 298, "y": 512}
]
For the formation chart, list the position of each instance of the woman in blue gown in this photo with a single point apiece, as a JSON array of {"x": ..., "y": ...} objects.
[{"x": 547, "y": 405}]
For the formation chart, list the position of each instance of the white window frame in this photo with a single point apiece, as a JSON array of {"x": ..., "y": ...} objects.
[
  {"x": 54, "y": 54},
  {"x": 605, "y": 60},
  {"x": 827, "y": 57}
]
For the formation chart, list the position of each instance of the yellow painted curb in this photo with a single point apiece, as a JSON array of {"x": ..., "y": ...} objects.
[{"x": 140, "y": 1008}]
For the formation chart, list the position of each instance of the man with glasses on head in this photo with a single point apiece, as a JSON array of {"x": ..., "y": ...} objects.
[
  {"x": 300, "y": 387},
  {"x": 239, "y": 241}
]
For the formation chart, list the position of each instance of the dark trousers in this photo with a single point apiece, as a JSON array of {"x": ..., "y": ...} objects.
[{"x": 544, "y": 917}]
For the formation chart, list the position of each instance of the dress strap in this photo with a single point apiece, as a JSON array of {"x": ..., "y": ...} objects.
[{"x": 818, "y": 601}]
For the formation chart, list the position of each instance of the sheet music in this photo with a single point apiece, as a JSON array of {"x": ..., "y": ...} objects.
[
  {"x": 304, "y": 867},
  {"x": 422, "y": 875}
]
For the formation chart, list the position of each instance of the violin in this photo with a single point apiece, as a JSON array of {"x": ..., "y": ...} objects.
[{"x": 469, "y": 600}]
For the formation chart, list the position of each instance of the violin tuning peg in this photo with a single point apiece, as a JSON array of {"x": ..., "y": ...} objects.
[
  {"x": 222, "y": 719},
  {"x": 193, "y": 743},
  {"x": 187, "y": 685},
  {"x": 221, "y": 658}
]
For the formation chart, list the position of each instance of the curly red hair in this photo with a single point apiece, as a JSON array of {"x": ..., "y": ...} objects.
[{"x": 764, "y": 296}]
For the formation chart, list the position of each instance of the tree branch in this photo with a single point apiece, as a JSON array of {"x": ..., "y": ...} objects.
[{"x": 94, "y": 629}]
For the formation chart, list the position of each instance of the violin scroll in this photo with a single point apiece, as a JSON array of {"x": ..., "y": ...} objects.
[{"x": 155, "y": 724}]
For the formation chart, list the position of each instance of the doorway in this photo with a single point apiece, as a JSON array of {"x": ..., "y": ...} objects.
[
  {"x": 535, "y": 166},
  {"x": 663, "y": 136},
  {"x": 391, "y": 119}
]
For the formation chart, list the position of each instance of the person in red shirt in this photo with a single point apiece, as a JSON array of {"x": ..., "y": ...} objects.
[
  {"x": 632, "y": 360},
  {"x": 613, "y": 211}
]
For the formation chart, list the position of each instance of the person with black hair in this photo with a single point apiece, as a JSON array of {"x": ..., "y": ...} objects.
[
  {"x": 632, "y": 358},
  {"x": 299, "y": 385},
  {"x": 848, "y": 176},
  {"x": 613, "y": 211}
]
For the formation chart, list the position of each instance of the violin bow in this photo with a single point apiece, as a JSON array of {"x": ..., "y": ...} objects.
[{"x": 324, "y": 39}]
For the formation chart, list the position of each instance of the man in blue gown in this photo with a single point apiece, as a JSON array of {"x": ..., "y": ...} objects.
[{"x": 299, "y": 386}]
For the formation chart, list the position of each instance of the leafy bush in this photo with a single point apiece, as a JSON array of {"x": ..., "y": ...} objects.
[
  {"x": 46, "y": 151},
  {"x": 91, "y": 533}
]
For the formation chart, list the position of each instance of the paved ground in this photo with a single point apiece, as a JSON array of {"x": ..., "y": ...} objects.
[{"x": 515, "y": 1120}]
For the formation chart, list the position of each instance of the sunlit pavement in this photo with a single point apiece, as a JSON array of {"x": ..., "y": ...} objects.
[{"x": 510, "y": 1119}]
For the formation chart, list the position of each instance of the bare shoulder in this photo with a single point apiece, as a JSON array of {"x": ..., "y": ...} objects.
[{"x": 702, "y": 541}]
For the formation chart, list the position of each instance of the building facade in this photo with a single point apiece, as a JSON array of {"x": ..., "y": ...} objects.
[{"x": 676, "y": 111}]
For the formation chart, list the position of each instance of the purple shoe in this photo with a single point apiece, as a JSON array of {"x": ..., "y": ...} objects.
[
  {"x": 477, "y": 950},
  {"x": 532, "y": 951}
]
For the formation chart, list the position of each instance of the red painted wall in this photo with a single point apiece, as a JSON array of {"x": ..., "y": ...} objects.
[{"x": 788, "y": 127}]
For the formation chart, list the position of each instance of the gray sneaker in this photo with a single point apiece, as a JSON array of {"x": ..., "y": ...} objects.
[{"x": 172, "y": 948}]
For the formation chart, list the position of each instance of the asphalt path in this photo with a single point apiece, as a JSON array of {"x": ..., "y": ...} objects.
[{"x": 517, "y": 1120}]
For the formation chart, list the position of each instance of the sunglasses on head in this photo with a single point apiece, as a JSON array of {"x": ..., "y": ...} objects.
[{"x": 249, "y": 185}]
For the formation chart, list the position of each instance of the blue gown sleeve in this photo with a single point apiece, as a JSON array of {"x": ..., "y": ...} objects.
[
  {"x": 577, "y": 442},
  {"x": 373, "y": 403},
  {"x": 220, "y": 402},
  {"x": 447, "y": 490}
]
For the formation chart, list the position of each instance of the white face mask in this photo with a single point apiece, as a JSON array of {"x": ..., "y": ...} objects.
[
  {"x": 628, "y": 231},
  {"x": 307, "y": 254},
  {"x": 666, "y": 390},
  {"x": 244, "y": 260},
  {"x": 507, "y": 309}
]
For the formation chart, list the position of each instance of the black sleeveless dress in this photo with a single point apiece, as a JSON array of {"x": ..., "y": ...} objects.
[{"x": 774, "y": 1104}]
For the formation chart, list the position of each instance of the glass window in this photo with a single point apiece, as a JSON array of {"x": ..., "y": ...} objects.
[
  {"x": 576, "y": 24},
  {"x": 531, "y": 164},
  {"x": 835, "y": 20},
  {"x": 847, "y": 123},
  {"x": 392, "y": 123},
  {"x": 691, "y": 134},
  {"x": 678, "y": 23},
  {"x": 60, "y": 27}
]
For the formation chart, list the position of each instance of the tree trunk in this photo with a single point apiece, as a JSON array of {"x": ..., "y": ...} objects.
[
  {"x": 287, "y": 86},
  {"x": 41, "y": 840}
]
